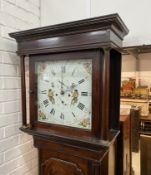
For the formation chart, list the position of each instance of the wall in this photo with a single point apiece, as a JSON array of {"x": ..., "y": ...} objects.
[
  {"x": 144, "y": 73},
  {"x": 133, "y": 12},
  {"x": 58, "y": 11},
  {"x": 17, "y": 155}
]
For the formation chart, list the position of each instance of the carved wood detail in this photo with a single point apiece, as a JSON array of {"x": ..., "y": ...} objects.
[{"x": 54, "y": 166}]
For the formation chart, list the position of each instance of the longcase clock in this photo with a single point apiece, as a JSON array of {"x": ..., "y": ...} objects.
[{"x": 74, "y": 86}]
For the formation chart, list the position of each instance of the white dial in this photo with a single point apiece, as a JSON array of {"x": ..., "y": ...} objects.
[{"x": 64, "y": 92}]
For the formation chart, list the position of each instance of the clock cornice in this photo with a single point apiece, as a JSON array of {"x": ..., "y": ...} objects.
[{"x": 113, "y": 22}]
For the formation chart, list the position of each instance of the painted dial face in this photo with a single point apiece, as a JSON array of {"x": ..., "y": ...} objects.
[{"x": 65, "y": 92}]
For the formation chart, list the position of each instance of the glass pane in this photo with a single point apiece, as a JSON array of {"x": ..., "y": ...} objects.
[{"x": 65, "y": 92}]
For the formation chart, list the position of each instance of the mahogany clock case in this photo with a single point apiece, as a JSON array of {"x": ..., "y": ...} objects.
[
  {"x": 63, "y": 149},
  {"x": 94, "y": 55},
  {"x": 97, "y": 57}
]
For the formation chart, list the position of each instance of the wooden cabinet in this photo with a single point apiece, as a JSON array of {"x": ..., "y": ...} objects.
[
  {"x": 135, "y": 128},
  {"x": 55, "y": 166},
  {"x": 70, "y": 158},
  {"x": 143, "y": 104},
  {"x": 73, "y": 128},
  {"x": 145, "y": 153},
  {"x": 124, "y": 146}
]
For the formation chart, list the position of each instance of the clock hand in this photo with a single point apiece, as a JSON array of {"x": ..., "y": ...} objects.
[
  {"x": 61, "y": 101},
  {"x": 63, "y": 84},
  {"x": 63, "y": 69},
  {"x": 68, "y": 89},
  {"x": 72, "y": 87}
]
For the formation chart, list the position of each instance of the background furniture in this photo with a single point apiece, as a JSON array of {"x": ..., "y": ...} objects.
[
  {"x": 134, "y": 113},
  {"x": 143, "y": 104},
  {"x": 124, "y": 146},
  {"x": 145, "y": 153},
  {"x": 145, "y": 123},
  {"x": 135, "y": 128}
]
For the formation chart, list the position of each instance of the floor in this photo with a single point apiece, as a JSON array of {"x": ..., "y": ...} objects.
[{"x": 136, "y": 163}]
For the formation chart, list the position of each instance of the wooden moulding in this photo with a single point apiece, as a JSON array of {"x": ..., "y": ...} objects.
[{"x": 91, "y": 33}]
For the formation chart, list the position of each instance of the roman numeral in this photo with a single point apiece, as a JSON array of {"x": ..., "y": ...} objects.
[
  {"x": 46, "y": 103},
  {"x": 73, "y": 115},
  {"x": 62, "y": 116},
  {"x": 84, "y": 93},
  {"x": 44, "y": 92},
  {"x": 81, "y": 106},
  {"x": 81, "y": 81},
  {"x": 52, "y": 111}
]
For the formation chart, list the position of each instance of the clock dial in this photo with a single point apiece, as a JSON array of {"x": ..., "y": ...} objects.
[{"x": 64, "y": 92}]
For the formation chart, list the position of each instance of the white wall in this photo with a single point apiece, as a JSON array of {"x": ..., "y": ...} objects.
[
  {"x": 129, "y": 62},
  {"x": 17, "y": 154},
  {"x": 136, "y": 15},
  {"x": 58, "y": 11},
  {"x": 129, "y": 68}
]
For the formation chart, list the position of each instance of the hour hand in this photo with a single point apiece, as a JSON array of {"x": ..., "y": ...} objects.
[{"x": 63, "y": 84}]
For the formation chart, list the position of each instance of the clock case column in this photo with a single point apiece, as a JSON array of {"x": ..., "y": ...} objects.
[{"x": 66, "y": 150}]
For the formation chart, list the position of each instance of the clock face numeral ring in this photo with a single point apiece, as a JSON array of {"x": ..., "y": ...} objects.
[{"x": 64, "y": 89}]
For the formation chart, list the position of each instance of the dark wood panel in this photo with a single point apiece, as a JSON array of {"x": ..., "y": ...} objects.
[
  {"x": 81, "y": 159},
  {"x": 79, "y": 163},
  {"x": 112, "y": 21},
  {"x": 56, "y": 166},
  {"x": 65, "y": 41},
  {"x": 23, "y": 91},
  {"x": 114, "y": 88},
  {"x": 135, "y": 127},
  {"x": 76, "y": 150},
  {"x": 124, "y": 146},
  {"x": 91, "y": 33}
]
